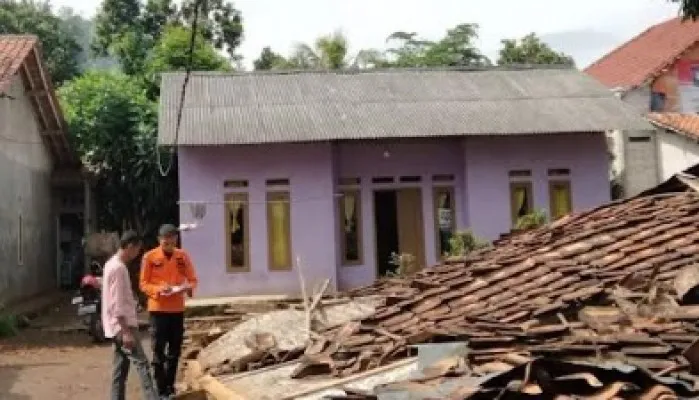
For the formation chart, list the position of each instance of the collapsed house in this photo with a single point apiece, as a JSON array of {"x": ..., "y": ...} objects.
[{"x": 610, "y": 286}]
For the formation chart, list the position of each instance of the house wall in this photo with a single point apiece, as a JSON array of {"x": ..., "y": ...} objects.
[
  {"x": 635, "y": 159},
  {"x": 676, "y": 153},
  {"x": 480, "y": 166},
  {"x": 423, "y": 158},
  {"x": 25, "y": 170},
  {"x": 668, "y": 81},
  {"x": 310, "y": 171},
  {"x": 488, "y": 161}
]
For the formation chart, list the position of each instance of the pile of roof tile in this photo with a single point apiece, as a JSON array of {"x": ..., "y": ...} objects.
[
  {"x": 526, "y": 295},
  {"x": 546, "y": 378}
]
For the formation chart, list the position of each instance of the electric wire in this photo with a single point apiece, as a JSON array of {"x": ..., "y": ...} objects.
[{"x": 188, "y": 70}]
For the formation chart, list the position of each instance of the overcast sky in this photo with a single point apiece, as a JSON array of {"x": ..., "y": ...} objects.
[{"x": 584, "y": 29}]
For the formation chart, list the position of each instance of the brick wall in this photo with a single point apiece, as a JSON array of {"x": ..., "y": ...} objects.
[{"x": 667, "y": 82}]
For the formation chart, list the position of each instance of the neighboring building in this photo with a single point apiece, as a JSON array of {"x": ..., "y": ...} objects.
[
  {"x": 677, "y": 142},
  {"x": 39, "y": 174},
  {"x": 656, "y": 71},
  {"x": 343, "y": 168}
]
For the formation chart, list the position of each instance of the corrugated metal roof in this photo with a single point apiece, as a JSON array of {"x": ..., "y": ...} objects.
[{"x": 225, "y": 108}]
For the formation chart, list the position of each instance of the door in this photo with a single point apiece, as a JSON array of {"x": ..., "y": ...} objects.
[{"x": 411, "y": 229}]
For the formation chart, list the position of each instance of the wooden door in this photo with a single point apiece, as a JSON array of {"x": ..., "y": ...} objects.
[{"x": 411, "y": 229}]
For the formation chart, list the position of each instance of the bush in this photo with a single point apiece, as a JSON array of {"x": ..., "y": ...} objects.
[
  {"x": 532, "y": 220},
  {"x": 464, "y": 242}
]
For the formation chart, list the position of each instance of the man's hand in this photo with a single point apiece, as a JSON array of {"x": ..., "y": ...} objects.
[
  {"x": 127, "y": 339},
  {"x": 166, "y": 290}
]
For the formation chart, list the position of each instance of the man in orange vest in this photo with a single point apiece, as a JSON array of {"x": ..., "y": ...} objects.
[{"x": 167, "y": 274}]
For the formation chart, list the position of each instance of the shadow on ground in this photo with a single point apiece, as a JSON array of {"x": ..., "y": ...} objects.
[{"x": 8, "y": 377}]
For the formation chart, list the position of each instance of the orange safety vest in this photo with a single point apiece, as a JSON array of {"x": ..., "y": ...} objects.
[{"x": 158, "y": 271}]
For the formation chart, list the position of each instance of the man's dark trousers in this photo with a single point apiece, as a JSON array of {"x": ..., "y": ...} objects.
[{"x": 167, "y": 331}]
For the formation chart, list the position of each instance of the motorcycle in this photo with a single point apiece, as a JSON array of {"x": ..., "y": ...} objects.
[{"x": 89, "y": 302}]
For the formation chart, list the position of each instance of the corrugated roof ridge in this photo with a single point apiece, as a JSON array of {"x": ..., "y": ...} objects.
[{"x": 357, "y": 71}]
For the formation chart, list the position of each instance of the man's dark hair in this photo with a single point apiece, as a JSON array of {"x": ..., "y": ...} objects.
[{"x": 129, "y": 238}]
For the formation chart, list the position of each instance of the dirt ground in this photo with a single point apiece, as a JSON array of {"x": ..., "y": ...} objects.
[{"x": 43, "y": 363}]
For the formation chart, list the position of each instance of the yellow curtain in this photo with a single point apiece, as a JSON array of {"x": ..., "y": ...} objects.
[
  {"x": 349, "y": 202},
  {"x": 234, "y": 207},
  {"x": 279, "y": 237},
  {"x": 561, "y": 201}
]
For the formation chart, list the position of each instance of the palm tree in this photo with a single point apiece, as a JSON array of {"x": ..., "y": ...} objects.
[{"x": 328, "y": 52}]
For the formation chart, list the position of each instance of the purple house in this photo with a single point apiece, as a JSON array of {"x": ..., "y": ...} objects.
[{"x": 344, "y": 168}]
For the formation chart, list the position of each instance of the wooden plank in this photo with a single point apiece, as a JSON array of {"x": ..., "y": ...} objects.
[{"x": 200, "y": 381}]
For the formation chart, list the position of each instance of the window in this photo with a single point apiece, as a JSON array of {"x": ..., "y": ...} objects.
[
  {"x": 235, "y": 184},
  {"x": 350, "y": 207},
  {"x": 560, "y": 202},
  {"x": 410, "y": 179},
  {"x": 20, "y": 240},
  {"x": 639, "y": 139},
  {"x": 277, "y": 182},
  {"x": 382, "y": 179},
  {"x": 279, "y": 230},
  {"x": 237, "y": 232},
  {"x": 444, "y": 218},
  {"x": 657, "y": 101},
  {"x": 521, "y": 200}
]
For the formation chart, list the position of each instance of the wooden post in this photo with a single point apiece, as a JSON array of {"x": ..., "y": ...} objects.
[{"x": 87, "y": 219}]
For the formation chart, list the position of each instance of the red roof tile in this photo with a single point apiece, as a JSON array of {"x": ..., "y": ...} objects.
[
  {"x": 685, "y": 124},
  {"x": 13, "y": 50},
  {"x": 645, "y": 55}
]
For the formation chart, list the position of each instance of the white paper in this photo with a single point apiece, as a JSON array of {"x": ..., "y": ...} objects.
[{"x": 175, "y": 290}]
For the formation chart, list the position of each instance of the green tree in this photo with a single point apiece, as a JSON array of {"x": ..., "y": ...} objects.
[
  {"x": 127, "y": 29},
  {"x": 113, "y": 127},
  {"x": 171, "y": 53},
  {"x": 269, "y": 60},
  {"x": 61, "y": 51},
  {"x": 688, "y": 8},
  {"x": 328, "y": 52},
  {"x": 531, "y": 50},
  {"x": 455, "y": 49}
]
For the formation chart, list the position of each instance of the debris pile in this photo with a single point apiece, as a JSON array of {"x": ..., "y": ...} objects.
[
  {"x": 527, "y": 295},
  {"x": 546, "y": 378},
  {"x": 238, "y": 342}
]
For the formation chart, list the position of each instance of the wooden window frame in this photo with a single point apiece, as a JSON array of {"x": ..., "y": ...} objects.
[
  {"x": 20, "y": 239},
  {"x": 357, "y": 193},
  {"x": 435, "y": 211},
  {"x": 566, "y": 184},
  {"x": 274, "y": 196},
  {"x": 528, "y": 187},
  {"x": 243, "y": 198}
]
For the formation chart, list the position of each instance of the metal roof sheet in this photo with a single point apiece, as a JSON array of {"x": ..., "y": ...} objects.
[{"x": 248, "y": 108}]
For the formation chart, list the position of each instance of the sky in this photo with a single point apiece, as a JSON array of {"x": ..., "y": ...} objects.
[{"x": 584, "y": 29}]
